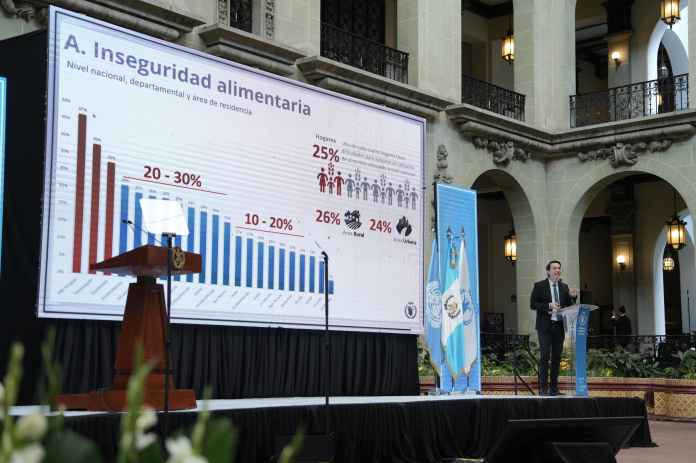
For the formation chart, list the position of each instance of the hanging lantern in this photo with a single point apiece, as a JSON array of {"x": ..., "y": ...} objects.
[
  {"x": 507, "y": 50},
  {"x": 510, "y": 247},
  {"x": 676, "y": 233},
  {"x": 669, "y": 12},
  {"x": 667, "y": 264}
]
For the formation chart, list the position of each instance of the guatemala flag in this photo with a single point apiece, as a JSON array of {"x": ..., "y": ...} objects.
[
  {"x": 433, "y": 319},
  {"x": 452, "y": 332}
]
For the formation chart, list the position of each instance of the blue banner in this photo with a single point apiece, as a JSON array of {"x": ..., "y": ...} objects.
[
  {"x": 3, "y": 95},
  {"x": 457, "y": 240},
  {"x": 581, "y": 325}
]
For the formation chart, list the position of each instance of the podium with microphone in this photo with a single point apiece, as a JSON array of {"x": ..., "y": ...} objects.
[{"x": 146, "y": 316}]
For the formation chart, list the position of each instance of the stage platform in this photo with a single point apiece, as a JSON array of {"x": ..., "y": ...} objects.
[{"x": 385, "y": 428}]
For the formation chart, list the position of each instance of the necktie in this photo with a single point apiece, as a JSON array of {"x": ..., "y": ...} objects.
[{"x": 556, "y": 299}]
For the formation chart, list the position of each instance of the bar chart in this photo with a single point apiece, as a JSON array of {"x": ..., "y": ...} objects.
[{"x": 229, "y": 258}]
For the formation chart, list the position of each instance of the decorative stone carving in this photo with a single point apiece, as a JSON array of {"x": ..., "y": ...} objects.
[
  {"x": 22, "y": 10},
  {"x": 223, "y": 12},
  {"x": 503, "y": 151},
  {"x": 269, "y": 19},
  {"x": 625, "y": 154},
  {"x": 441, "y": 175}
]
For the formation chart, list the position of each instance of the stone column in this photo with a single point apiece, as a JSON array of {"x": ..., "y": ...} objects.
[
  {"x": 431, "y": 33},
  {"x": 545, "y": 59},
  {"x": 298, "y": 24}
]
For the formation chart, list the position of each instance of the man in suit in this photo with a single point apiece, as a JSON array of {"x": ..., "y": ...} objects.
[{"x": 548, "y": 297}]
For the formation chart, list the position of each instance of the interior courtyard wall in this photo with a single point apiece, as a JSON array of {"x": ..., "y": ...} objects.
[{"x": 573, "y": 184}]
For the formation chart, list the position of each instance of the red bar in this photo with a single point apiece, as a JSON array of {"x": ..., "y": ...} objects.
[
  {"x": 109, "y": 220},
  {"x": 94, "y": 214},
  {"x": 79, "y": 192}
]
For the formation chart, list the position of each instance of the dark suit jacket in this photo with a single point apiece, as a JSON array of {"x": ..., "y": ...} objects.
[{"x": 541, "y": 298}]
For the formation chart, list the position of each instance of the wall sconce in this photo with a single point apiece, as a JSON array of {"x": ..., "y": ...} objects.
[
  {"x": 616, "y": 57},
  {"x": 621, "y": 260}
]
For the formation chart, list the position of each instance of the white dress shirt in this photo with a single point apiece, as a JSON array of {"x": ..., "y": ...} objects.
[{"x": 555, "y": 316}]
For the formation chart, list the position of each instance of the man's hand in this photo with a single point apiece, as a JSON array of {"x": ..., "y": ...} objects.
[
  {"x": 574, "y": 292},
  {"x": 553, "y": 307}
]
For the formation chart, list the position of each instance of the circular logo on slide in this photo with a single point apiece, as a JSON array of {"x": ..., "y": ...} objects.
[{"x": 410, "y": 310}]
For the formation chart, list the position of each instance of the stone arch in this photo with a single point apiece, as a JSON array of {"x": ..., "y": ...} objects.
[
  {"x": 579, "y": 196},
  {"x": 528, "y": 237}
]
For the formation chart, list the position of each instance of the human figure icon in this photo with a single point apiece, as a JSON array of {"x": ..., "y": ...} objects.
[
  {"x": 330, "y": 183},
  {"x": 365, "y": 187},
  {"x": 322, "y": 180},
  {"x": 390, "y": 194},
  {"x": 350, "y": 183},
  {"x": 382, "y": 194},
  {"x": 414, "y": 197},
  {"x": 338, "y": 181},
  {"x": 399, "y": 196},
  {"x": 375, "y": 191}
]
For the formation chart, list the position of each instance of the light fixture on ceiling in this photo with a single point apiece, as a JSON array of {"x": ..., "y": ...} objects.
[
  {"x": 507, "y": 49},
  {"x": 676, "y": 229},
  {"x": 669, "y": 12},
  {"x": 510, "y": 247}
]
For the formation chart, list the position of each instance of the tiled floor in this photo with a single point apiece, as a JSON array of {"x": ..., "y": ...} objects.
[{"x": 677, "y": 444}]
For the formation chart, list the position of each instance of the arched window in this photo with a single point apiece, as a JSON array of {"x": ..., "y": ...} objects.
[{"x": 665, "y": 84}]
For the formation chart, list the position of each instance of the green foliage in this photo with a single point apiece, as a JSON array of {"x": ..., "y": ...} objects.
[
  {"x": 687, "y": 364},
  {"x": 621, "y": 363},
  {"x": 425, "y": 367}
]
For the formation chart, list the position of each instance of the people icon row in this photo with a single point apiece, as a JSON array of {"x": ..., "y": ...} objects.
[{"x": 359, "y": 187}]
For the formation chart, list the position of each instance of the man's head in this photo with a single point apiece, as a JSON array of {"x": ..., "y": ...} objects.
[{"x": 553, "y": 270}]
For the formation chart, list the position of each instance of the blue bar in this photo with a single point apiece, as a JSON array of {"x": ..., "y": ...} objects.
[
  {"x": 321, "y": 276},
  {"x": 312, "y": 262},
  {"x": 259, "y": 265},
  {"x": 190, "y": 245},
  {"x": 151, "y": 236},
  {"x": 203, "y": 240},
  {"x": 271, "y": 265},
  {"x": 291, "y": 277},
  {"x": 302, "y": 272},
  {"x": 138, "y": 222},
  {"x": 226, "y": 256},
  {"x": 214, "y": 250},
  {"x": 177, "y": 244},
  {"x": 249, "y": 262},
  {"x": 123, "y": 229},
  {"x": 331, "y": 287},
  {"x": 281, "y": 268},
  {"x": 237, "y": 260}
]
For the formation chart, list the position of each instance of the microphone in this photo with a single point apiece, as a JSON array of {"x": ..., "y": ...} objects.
[{"x": 126, "y": 221}]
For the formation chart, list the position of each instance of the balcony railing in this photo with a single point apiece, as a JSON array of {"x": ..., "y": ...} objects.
[
  {"x": 343, "y": 46},
  {"x": 493, "y": 98},
  {"x": 630, "y": 101}
]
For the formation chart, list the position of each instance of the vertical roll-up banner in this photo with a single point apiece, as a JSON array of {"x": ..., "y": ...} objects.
[
  {"x": 458, "y": 251},
  {"x": 581, "y": 351}
]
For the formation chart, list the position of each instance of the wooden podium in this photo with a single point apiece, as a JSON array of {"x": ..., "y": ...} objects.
[{"x": 144, "y": 323}]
